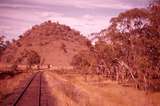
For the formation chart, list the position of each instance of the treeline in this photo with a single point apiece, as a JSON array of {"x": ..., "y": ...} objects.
[
  {"x": 30, "y": 56},
  {"x": 3, "y": 44},
  {"x": 132, "y": 54}
]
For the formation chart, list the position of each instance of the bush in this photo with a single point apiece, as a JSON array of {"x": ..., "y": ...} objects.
[{"x": 31, "y": 56}]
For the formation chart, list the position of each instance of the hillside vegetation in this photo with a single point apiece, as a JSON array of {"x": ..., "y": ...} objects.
[
  {"x": 56, "y": 44},
  {"x": 132, "y": 55}
]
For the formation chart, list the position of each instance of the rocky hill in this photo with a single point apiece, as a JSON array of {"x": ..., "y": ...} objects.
[{"x": 55, "y": 43}]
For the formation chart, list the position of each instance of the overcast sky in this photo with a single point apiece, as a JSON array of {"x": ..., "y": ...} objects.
[{"x": 87, "y": 16}]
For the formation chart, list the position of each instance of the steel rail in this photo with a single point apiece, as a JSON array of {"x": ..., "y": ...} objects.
[{"x": 25, "y": 89}]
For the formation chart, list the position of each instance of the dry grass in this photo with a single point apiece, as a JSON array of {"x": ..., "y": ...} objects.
[
  {"x": 73, "y": 90},
  {"x": 8, "y": 85},
  {"x": 99, "y": 92}
]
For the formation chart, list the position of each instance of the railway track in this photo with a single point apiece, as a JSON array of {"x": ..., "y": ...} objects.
[{"x": 31, "y": 94}]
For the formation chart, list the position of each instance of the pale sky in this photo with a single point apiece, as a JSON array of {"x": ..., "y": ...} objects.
[{"x": 86, "y": 16}]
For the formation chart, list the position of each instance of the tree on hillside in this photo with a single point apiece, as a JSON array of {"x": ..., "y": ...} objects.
[
  {"x": 8, "y": 43},
  {"x": 63, "y": 47},
  {"x": 81, "y": 61},
  {"x": 84, "y": 61},
  {"x": 3, "y": 44},
  {"x": 154, "y": 2},
  {"x": 106, "y": 58},
  {"x": 31, "y": 56}
]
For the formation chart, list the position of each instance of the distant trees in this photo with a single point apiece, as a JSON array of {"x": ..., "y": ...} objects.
[
  {"x": 20, "y": 36},
  {"x": 31, "y": 57},
  {"x": 106, "y": 56},
  {"x": 101, "y": 59},
  {"x": 85, "y": 62},
  {"x": 3, "y": 44},
  {"x": 154, "y": 2},
  {"x": 63, "y": 47},
  {"x": 81, "y": 60},
  {"x": 8, "y": 43}
]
